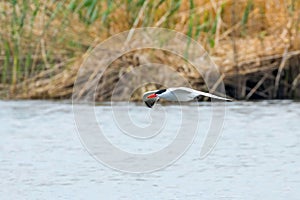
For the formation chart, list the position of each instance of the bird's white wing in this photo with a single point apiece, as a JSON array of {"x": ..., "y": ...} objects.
[
  {"x": 191, "y": 93},
  {"x": 212, "y": 96},
  {"x": 180, "y": 94},
  {"x": 149, "y": 101}
]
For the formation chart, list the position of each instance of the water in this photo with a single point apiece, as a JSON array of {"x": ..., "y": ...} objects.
[{"x": 257, "y": 157}]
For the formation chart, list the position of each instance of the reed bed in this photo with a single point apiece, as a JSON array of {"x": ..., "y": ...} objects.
[{"x": 255, "y": 43}]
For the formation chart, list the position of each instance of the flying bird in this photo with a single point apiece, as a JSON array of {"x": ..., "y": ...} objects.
[{"x": 176, "y": 94}]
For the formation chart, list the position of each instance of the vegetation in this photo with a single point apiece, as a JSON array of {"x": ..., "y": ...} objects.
[{"x": 256, "y": 43}]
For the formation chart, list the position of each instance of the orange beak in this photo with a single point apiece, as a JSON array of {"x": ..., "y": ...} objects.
[{"x": 152, "y": 96}]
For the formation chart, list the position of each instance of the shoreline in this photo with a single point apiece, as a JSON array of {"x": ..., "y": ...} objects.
[{"x": 254, "y": 43}]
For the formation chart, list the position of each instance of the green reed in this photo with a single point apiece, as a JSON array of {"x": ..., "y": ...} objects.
[{"x": 245, "y": 18}]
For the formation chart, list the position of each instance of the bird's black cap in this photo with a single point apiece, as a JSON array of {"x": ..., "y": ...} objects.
[{"x": 160, "y": 91}]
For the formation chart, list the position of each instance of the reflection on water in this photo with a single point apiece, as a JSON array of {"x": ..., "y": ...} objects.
[{"x": 257, "y": 157}]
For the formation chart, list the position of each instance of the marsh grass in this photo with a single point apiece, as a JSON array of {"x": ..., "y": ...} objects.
[{"x": 37, "y": 36}]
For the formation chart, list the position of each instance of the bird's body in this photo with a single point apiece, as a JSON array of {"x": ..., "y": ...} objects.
[{"x": 180, "y": 94}]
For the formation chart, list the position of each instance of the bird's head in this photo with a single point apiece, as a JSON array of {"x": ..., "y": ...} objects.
[{"x": 156, "y": 94}]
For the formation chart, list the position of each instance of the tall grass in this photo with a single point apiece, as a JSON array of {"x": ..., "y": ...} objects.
[
  {"x": 37, "y": 35},
  {"x": 245, "y": 18}
]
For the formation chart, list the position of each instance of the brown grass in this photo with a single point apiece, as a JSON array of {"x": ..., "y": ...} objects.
[{"x": 245, "y": 43}]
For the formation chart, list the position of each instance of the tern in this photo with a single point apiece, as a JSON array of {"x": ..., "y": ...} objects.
[{"x": 179, "y": 94}]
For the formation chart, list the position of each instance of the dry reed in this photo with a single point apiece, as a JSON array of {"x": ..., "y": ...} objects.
[{"x": 42, "y": 44}]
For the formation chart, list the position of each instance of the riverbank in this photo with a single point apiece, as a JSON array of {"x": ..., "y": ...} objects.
[{"x": 254, "y": 43}]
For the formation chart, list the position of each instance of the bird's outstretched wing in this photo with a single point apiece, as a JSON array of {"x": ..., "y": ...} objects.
[
  {"x": 191, "y": 93},
  {"x": 149, "y": 101}
]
